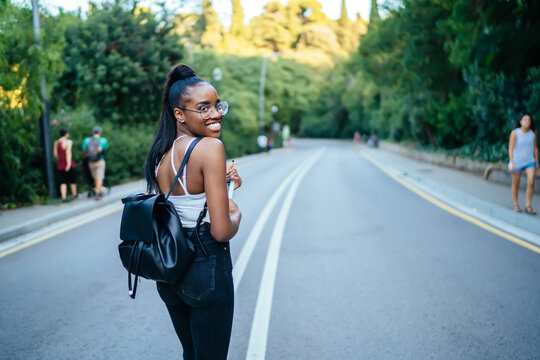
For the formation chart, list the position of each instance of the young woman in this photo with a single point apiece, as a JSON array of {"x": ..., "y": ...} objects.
[
  {"x": 523, "y": 153},
  {"x": 65, "y": 164},
  {"x": 201, "y": 305}
]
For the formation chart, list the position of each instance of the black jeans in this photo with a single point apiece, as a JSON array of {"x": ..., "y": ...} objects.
[{"x": 201, "y": 304}]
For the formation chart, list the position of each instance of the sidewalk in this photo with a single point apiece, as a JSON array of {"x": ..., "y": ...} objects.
[
  {"x": 17, "y": 222},
  {"x": 470, "y": 193},
  {"x": 24, "y": 224}
]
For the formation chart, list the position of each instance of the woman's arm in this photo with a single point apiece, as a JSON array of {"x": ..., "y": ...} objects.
[
  {"x": 536, "y": 148},
  {"x": 224, "y": 212},
  {"x": 511, "y": 149}
]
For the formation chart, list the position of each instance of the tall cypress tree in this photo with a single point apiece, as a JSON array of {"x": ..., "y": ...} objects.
[
  {"x": 213, "y": 29},
  {"x": 237, "y": 19},
  {"x": 344, "y": 19},
  {"x": 374, "y": 13}
]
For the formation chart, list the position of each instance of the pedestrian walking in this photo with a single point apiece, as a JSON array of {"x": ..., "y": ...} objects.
[
  {"x": 357, "y": 138},
  {"x": 65, "y": 164},
  {"x": 286, "y": 135},
  {"x": 373, "y": 140},
  {"x": 94, "y": 151},
  {"x": 523, "y": 153},
  {"x": 201, "y": 304}
]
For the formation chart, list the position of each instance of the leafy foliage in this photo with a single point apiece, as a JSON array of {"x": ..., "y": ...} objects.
[
  {"x": 451, "y": 74},
  {"x": 21, "y": 64},
  {"x": 117, "y": 61}
]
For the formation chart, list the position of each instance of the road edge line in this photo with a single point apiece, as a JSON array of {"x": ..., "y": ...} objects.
[{"x": 453, "y": 210}]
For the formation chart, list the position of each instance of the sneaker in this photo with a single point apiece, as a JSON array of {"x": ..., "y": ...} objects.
[{"x": 98, "y": 197}]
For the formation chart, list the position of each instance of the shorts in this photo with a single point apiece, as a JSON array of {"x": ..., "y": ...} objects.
[
  {"x": 97, "y": 168},
  {"x": 65, "y": 177},
  {"x": 523, "y": 168}
]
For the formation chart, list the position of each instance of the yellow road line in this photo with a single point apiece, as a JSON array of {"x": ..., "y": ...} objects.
[
  {"x": 62, "y": 230},
  {"x": 456, "y": 212}
]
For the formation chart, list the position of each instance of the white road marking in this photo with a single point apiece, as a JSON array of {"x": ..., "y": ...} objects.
[
  {"x": 247, "y": 250},
  {"x": 261, "y": 320}
]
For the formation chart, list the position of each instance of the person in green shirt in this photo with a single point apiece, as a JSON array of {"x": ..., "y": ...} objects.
[{"x": 94, "y": 150}]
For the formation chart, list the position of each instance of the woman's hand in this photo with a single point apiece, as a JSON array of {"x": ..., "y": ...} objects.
[
  {"x": 232, "y": 175},
  {"x": 233, "y": 208},
  {"x": 512, "y": 167}
]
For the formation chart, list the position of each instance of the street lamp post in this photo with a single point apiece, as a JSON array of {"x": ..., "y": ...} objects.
[
  {"x": 261, "y": 88},
  {"x": 49, "y": 166},
  {"x": 217, "y": 75}
]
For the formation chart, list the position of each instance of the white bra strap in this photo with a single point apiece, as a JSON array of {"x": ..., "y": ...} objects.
[
  {"x": 172, "y": 153},
  {"x": 183, "y": 183}
]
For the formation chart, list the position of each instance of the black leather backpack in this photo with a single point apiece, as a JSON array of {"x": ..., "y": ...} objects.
[{"x": 154, "y": 245}]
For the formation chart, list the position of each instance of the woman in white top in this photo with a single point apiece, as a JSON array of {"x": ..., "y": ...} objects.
[
  {"x": 523, "y": 153},
  {"x": 201, "y": 305}
]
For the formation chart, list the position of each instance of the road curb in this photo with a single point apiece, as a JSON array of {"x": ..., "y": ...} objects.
[
  {"x": 14, "y": 231},
  {"x": 488, "y": 213}
]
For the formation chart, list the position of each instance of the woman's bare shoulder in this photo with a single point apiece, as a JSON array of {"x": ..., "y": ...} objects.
[
  {"x": 210, "y": 147},
  {"x": 209, "y": 152}
]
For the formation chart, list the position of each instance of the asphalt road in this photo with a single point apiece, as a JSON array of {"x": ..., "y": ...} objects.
[{"x": 348, "y": 264}]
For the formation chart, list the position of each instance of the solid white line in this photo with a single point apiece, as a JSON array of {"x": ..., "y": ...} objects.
[
  {"x": 247, "y": 250},
  {"x": 261, "y": 320}
]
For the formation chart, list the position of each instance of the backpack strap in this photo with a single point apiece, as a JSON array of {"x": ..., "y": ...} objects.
[
  {"x": 135, "y": 255},
  {"x": 186, "y": 157},
  {"x": 196, "y": 232}
]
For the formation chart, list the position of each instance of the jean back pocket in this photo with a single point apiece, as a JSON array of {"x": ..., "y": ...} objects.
[{"x": 200, "y": 278}]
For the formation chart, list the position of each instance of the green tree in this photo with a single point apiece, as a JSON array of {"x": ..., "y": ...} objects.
[
  {"x": 213, "y": 29},
  {"x": 374, "y": 16},
  {"x": 344, "y": 18},
  {"x": 269, "y": 30},
  {"x": 22, "y": 62},
  {"x": 345, "y": 31},
  {"x": 237, "y": 19},
  {"x": 117, "y": 61}
]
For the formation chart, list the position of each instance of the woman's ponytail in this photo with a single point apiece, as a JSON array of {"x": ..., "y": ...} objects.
[
  {"x": 178, "y": 80},
  {"x": 179, "y": 72}
]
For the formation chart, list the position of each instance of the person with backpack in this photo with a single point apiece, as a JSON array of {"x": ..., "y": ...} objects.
[
  {"x": 201, "y": 303},
  {"x": 94, "y": 149}
]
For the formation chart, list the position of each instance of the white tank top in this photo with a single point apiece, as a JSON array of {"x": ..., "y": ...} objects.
[
  {"x": 524, "y": 148},
  {"x": 188, "y": 206}
]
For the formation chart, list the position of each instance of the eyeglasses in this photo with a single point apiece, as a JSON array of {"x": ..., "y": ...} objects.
[{"x": 207, "y": 111}]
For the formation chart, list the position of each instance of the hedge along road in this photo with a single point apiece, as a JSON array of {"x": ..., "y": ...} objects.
[{"x": 334, "y": 260}]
